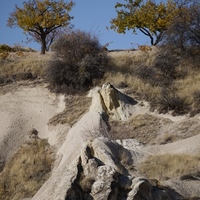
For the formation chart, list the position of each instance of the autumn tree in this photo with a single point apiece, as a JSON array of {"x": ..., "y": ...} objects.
[
  {"x": 147, "y": 16},
  {"x": 41, "y": 19}
]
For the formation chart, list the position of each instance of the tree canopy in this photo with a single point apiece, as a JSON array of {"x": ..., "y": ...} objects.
[
  {"x": 41, "y": 19},
  {"x": 147, "y": 16}
]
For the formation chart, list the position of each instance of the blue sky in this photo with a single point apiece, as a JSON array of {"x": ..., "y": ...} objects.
[{"x": 89, "y": 15}]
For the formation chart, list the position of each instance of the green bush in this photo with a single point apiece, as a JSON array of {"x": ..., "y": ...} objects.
[{"x": 78, "y": 61}]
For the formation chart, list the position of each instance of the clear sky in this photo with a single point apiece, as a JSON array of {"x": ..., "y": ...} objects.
[{"x": 89, "y": 15}]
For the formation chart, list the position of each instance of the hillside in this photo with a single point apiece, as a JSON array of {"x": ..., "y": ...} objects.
[{"x": 111, "y": 142}]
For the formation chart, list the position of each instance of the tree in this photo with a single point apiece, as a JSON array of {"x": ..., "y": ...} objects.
[
  {"x": 41, "y": 19},
  {"x": 145, "y": 15}
]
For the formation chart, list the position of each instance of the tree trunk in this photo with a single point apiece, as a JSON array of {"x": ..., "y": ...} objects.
[
  {"x": 159, "y": 37},
  {"x": 43, "y": 43}
]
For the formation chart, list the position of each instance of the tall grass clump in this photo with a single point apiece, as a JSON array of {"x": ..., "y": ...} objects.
[
  {"x": 78, "y": 63},
  {"x": 27, "y": 171}
]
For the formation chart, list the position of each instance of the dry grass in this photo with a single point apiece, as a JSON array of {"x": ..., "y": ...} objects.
[
  {"x": 76, "y": 105},
  {"x": 27, "y": 171},
  {"x": 123, "y": 72},
  {"x": 143, "y": 127},
  {"x": 122, "y": 69},
  {"x": 189, "y": 84},
  {"x": 25, "y": 62},
  {"x": 163, "y": 167},
  {"x": 123, "y": 65}
]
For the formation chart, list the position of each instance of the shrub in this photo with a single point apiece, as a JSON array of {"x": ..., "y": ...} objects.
[
  {"x": 145, "y": 73},
  {"x": 166, "y": 64},
  {"x": 79, "y": 60},
  {"x": 170, "y": 101},
  {"x": 5, "y": 48},
  {"x": 162, "y": 71}
]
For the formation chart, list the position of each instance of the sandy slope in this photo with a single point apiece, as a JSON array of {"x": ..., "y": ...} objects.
[{"x": 23, "y": 108}]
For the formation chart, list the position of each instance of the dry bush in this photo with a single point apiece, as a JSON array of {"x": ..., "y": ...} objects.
[
  {"x": 169, "y": 100},
  {"x": 145, "y": 73},
  {"x": 79, "y": 60},
  {"x": 27, "y": 171},
  {"x": 162, "y": 167},
  {"x": 166, "y": 63}
]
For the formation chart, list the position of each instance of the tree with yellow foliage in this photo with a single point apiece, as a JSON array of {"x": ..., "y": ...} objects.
[
  {"x": 41, "y": 19},
  {"x": 147, "y": 16}
]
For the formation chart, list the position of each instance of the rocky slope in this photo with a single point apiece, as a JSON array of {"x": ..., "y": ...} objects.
[{"x": 90, "y": 161}]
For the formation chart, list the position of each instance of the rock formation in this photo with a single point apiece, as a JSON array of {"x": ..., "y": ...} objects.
[{"x": 92, "y": 166}]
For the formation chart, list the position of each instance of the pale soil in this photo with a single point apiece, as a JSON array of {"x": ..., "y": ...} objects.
[{"x": 23, "y": 107}]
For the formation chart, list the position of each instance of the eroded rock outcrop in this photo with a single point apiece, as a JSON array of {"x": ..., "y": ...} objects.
[
  {"x": 90, "y": 165},
  {"x": 111, "y": 101},
  {"x": 103, "y": 175}
]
